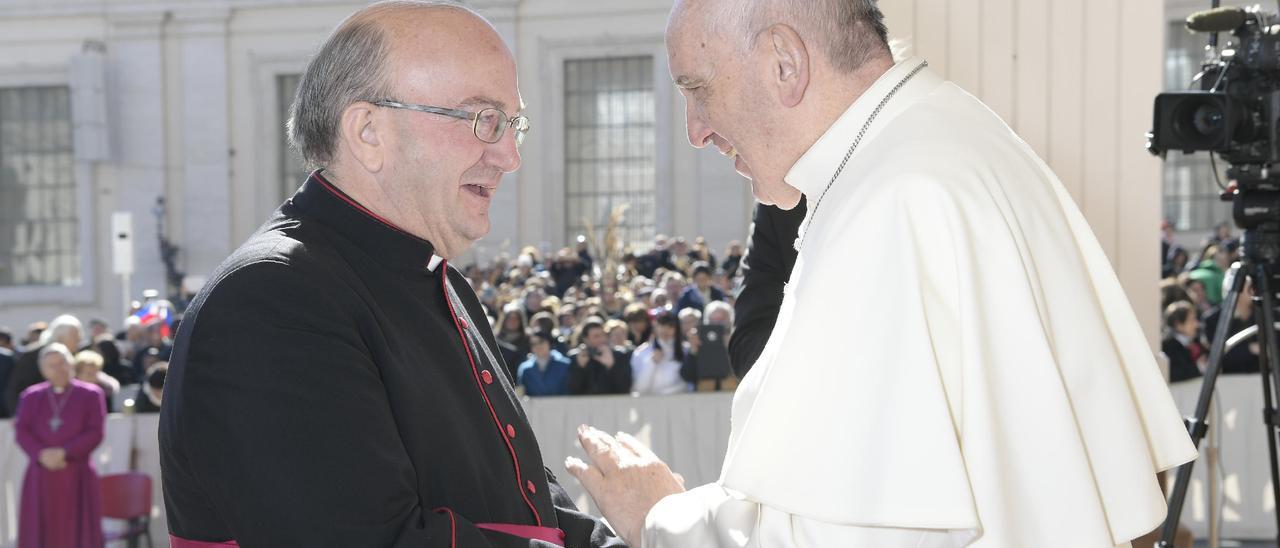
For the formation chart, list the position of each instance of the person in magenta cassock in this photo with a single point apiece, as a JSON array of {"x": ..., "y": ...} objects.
[{"x": 59, "y": 423}]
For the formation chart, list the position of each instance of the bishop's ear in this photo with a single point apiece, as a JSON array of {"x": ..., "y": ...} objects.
[
  {"x": 789, "y": 63},
  {"x": 363, "y": 134}
]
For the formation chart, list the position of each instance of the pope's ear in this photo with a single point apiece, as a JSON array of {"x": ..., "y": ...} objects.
[{"x": 789, "y": 63}]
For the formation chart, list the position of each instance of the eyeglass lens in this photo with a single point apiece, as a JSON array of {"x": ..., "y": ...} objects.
[{"x": 491, "y": 123}]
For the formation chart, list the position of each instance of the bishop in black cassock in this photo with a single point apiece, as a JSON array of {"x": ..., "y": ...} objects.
[{"x": 336, "y": 384}]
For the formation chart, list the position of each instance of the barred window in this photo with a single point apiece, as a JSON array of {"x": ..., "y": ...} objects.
[
  {"x": 609, "y": 146},
  {"x": 39, "y": 229},
  {"x": 1190, "y": 190},
  {"x": 292, "y": 169}
]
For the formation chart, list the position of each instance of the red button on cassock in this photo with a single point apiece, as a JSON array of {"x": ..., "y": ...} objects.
[
  {"x": 486, "y": 376},
  {"x": 511, "y": 431},
  {"x": 531, "y": 487},
  {"x": 462, "y": 323}
]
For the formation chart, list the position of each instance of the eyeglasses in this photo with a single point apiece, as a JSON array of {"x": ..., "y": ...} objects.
[{"x": 489, "y": 125}]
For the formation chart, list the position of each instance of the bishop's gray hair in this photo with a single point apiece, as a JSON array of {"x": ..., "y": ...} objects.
[
  {"x": 351, "y": 66},
  {"x": 851, "y": 31}
]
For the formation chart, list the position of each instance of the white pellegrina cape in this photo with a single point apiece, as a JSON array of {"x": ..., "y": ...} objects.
[{"x": 954, "y": 363}]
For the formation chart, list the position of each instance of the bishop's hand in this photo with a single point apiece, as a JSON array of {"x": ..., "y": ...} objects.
[{"x": 624, "y": 477}]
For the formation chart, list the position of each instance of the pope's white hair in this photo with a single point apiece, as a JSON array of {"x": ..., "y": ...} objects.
[{"x": 851, "y": 32}]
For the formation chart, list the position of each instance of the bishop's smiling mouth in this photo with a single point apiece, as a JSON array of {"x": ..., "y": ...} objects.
[{"x": 481, "y": 190}]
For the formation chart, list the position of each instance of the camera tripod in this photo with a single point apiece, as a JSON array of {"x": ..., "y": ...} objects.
[{"x": 1260, "y": 269}]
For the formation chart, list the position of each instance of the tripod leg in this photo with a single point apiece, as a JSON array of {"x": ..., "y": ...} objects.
[
  {"x": 1196, "y": 425},
  {"x": 1268, "y": 365}
]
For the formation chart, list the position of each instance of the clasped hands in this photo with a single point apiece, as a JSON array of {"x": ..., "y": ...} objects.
[
  {"x": 624, "y": 477},
  {"x": 53, "y": 458}
]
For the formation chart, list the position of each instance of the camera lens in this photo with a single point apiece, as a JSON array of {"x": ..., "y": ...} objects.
[
  {"x": 1207, "y": 119},
  {"x": 1196, "y": 121}
]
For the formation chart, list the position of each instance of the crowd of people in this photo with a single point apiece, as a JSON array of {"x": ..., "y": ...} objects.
[
  {"x": 568, "y": 324},
  {"x": 131, "y": 362},
  {"x": 573, "y": 324},
  {"x": 1192, "y": 294}
]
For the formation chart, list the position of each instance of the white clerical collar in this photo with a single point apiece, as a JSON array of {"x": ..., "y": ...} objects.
[
  {"x": 434, "y": 262},
  {"x": 813, "y": 170}
]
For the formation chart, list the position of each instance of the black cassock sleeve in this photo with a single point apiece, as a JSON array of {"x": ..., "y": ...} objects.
[
  {"x": 284, "y": 431},
  {"x": 766, "y": 267}
]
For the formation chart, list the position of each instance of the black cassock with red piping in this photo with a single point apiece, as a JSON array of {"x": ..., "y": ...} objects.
[{"x": 331, "y": 386}]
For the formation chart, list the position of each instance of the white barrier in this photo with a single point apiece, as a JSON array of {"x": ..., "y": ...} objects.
[
  {"x": 691, "y": 432},
  {"x": 1248, "y": 508}
]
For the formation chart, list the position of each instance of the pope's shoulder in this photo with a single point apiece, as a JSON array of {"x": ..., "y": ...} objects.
[
  {"x": 950, "y": 132},
  {"x": 947, "y": 145}
]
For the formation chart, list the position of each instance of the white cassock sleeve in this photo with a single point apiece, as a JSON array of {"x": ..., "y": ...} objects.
[{"x": 712, "y": 516}]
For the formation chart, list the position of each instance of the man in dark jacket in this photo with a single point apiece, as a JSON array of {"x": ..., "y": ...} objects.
[
  {"x": 1181, "y": 344},
  {"x": 766, "y": 267},
  {"x": 1244, "y": 358},
  {"x": 700, "y": 293},
  {"x": 336, "y": 383},
  {"x": 597, "y": 367}
]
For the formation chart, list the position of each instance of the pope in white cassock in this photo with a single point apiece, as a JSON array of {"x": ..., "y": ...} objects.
[{"x": 1002, "y": 393}]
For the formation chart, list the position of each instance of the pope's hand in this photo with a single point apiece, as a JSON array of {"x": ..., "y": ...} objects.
[{"x": 624, "y": 477}]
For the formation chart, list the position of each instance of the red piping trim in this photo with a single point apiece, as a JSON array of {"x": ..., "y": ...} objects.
[
  {"x": 177, "y": 542},
  {"x": 453, "y": 525},
  {"x": 351, "y": 201},
  {"x": 544, "y": 534},
  {"x": 475, "y": 373}
]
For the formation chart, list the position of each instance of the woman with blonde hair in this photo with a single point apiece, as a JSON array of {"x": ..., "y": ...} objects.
[
  {"x": 89, "y": 369},
  {"x": 617, "y": 332}
]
